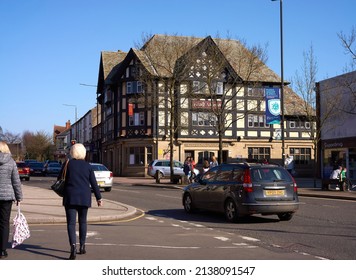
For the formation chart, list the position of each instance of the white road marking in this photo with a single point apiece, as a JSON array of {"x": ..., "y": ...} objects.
[
  {"x": 250, "y": 238},
  {"x": 222, "y": 238}
]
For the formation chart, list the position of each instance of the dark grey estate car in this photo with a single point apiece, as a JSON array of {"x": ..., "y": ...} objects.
[{"x": 243, "y": 189}]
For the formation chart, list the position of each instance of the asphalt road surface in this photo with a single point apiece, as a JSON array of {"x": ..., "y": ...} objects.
[{"x": 321, "y": 229}]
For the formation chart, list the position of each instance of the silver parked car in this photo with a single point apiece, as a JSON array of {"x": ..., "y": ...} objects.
[
  {"x": 103, "y": 175},
  {"x": 244, "y": 189},
  {"x": 160, "y": 168}
]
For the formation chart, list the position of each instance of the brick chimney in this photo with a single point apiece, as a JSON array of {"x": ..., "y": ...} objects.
[{"x": 68, "y": 124}]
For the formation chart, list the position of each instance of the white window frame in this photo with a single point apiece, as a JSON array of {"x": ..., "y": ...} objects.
[
  {"x": 137, "y": 119},
  {"x": 129, "y": 88}
]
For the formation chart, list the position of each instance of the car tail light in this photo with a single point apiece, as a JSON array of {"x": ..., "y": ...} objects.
[
  {"x": 247, "y": 183},
  {"x": 111, "y": 175},
  {"x": 295, "y": 186}
]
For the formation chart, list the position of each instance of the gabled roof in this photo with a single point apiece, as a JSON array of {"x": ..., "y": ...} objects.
[
  {"x": 161, "y": 52},
  {"x": 233, "y": 51},
  {"x": 108, "y": 61}
]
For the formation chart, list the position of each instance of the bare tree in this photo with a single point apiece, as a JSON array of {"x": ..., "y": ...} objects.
[
  {"x": 221, "y": 69},
  {"x": 176, "y": 69},
  {"x": 158, "y": 56},
  {"x": 347, "y": 84},
  {"x": 305, "y": 85},
  {"x": 348, "y": 42},
  {"x": 37, "y": 145}
]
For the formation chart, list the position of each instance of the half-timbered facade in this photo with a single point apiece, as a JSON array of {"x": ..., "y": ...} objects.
[{"x": 184, "y": 96}]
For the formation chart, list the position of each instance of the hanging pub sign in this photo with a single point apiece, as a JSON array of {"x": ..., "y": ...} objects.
[
  {"x": 131, "y": 109},
  {"x": 273, "y": 106}
]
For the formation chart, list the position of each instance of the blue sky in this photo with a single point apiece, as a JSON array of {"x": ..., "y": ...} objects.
[{"x": 49, "y": 48}]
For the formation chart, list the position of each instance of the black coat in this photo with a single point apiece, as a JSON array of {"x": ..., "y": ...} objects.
[{"x": 79, "y": 183}]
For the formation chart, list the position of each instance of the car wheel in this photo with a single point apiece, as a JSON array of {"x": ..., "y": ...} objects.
[
  {"x": 285, "y": 216},
  {"x": 27, "y": 179},
  {"x": 231, "y": 212},
  {"x": 188, "y": 203},
  {"x": 107, "y": 189}
]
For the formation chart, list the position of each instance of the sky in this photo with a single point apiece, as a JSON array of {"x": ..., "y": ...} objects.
[{"x": 50, "y": 50}]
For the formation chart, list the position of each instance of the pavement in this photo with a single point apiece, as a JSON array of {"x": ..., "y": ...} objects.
[{"x": 43, "y": 206}]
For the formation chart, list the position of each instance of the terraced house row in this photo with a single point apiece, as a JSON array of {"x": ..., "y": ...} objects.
[{"x": 178, "y": 96}]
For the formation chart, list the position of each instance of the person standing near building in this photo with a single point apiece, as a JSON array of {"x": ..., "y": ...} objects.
[
  {"x": 213, "y": 162},
  {"x": 289, "y": 164},
  {"x": 10, "y": 191},
  {"x": 336, "y": 176},
  {"x": 79, "y": 182},
  {"x": 206, "y": 166},
  {"x": 345, "y": 186}
]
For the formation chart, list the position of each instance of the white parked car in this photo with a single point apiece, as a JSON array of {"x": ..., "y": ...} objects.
[
  {"x": 160, "y": 168},
  {"x": 103, "y": 176}
]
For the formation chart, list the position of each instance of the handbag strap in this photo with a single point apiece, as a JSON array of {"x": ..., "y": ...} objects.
[{"x": 64, "y": 173}]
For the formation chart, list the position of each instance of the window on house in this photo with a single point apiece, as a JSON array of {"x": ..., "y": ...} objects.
[
  {"x": 299, "y": 124},
  {"x": 255, "y": 92},
  {"x": 139, "y": 87},
  {"x": 136, "y": 155},
  {"x": 137, "y": 119},
  {"x": 129, "y": 87},
  {"x": 259, "y": 153},
  {"x": 203, "y": 119},
  {"x": 301, "y": 155},
  {"x": 219, "y": 88},
  {"x": 257, "y": 121},
  {"x": 134, "y": 87},
  {"x": 200, "y": 87}
]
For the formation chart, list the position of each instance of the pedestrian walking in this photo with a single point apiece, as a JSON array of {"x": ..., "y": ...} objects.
[
  {"x": 10, "y": 191},
  {"x": 192, "y": 173},
  {"x": 187, "y": 167},
  {"x": 79, "y": 182}
]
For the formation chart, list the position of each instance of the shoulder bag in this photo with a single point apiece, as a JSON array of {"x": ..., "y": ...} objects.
[{"x": 58, "y": 187}]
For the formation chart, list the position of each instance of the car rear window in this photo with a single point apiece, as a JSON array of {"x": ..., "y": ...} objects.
[
  {"x": 97, "y": 167},
  {"x": 269, "y": 174},
  {"x": 21, "y": 164}
]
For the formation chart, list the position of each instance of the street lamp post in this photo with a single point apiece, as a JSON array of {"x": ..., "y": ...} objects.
[
  {"x": 282, "y": 78},
  {"x": 75, "y": 106}
]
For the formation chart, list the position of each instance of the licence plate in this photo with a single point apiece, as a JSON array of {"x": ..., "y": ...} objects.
[
  {"x": 100, "y": 183},
  {"x": 274, "y": 192}
]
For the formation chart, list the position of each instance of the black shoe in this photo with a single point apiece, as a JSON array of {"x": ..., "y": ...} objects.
[
  {"x": 82, "y": 250},
  {"x": 3, "y": 254},
  {"x": 73, "y": 252}
]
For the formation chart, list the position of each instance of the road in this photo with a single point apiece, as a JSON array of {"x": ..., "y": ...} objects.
[{"x": 321, "y": 229}]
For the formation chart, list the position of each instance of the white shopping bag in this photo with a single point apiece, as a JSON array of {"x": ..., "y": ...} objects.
[{"x": 21, "y": 230}]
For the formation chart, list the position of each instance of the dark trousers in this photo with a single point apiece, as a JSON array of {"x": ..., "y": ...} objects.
[
  {"x": 5, "y": 212},
  {"x": 71, "y": 215}
]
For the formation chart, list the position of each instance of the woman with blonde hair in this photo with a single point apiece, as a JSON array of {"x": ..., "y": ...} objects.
[
  {"x": 10, "y": 191},
  {"x": 77, "y": 196}
]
